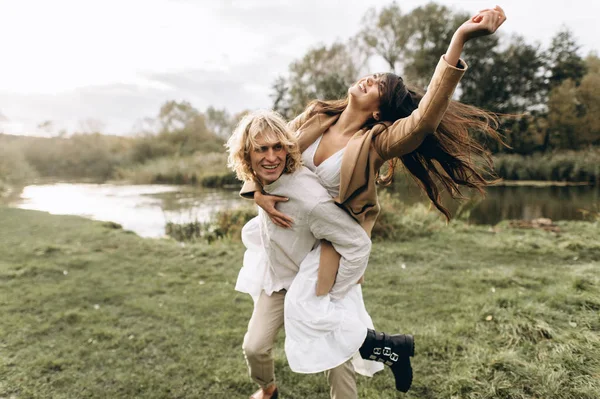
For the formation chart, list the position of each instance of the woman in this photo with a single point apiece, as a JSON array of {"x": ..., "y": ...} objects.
[{"x": 383, "y": 121}]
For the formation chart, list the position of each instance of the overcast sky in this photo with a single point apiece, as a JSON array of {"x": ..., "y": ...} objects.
[{"x": 117, "y": 61}]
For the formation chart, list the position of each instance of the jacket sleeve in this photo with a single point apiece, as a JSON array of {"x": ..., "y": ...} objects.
[
  {"x": 406, "y": 134},
  {"x": 249, "y": 188},
  {"x": 329, "y": 222}
]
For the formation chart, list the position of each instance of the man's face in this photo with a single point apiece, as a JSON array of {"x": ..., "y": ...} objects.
[{"x": 268, "y": 160}]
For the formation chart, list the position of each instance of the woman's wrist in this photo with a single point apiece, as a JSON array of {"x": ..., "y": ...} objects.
[
  {"x": 455, "y": 49},
  {"x": 459, "y": 37}
]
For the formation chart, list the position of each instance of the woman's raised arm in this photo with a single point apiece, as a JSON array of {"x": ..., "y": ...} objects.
[
  {"x": 407, "y": 134},
  {"x": 484, "y": 23}
]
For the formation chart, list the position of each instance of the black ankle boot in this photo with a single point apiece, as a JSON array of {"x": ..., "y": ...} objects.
[{"x": 394, "y": 351}]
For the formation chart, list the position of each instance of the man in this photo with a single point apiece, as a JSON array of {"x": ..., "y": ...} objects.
[{"x": 262, "y": 149}]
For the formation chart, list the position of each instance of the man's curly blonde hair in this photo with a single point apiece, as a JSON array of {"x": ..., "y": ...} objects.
[{"x": 272, "y": 127}]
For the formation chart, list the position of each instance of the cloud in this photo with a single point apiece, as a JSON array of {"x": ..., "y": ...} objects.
[
  {"x": 117, "y": 62},
  {"x": 120, "y": 106}
]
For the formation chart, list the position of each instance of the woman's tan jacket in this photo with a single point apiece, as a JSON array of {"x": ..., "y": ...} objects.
[{"x": 368, "y": 150}]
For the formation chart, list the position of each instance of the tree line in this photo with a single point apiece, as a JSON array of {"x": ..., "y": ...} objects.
[
  {"x": 179, "y": 131},
  {"x": 549, "y": 97}
]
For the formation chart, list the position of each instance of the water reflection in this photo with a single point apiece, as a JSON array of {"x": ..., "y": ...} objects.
[
  {"x": 526, "y": 202},
  {"x": 516, "y": 202},
  {"x": 144, "y": 209}
]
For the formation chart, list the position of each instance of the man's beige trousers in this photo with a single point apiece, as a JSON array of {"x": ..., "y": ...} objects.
[{"x": 266, "y": 321}]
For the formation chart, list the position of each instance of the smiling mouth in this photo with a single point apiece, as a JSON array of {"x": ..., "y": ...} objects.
[
  {"x": 271, "y": 167},
  {"x": 362, "y": 87}
]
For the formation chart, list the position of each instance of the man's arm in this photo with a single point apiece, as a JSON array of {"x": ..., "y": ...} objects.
[{"x": 328, "y": 221}]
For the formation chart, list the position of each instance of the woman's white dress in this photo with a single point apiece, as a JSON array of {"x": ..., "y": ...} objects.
[{"x": 320, "y": 333}]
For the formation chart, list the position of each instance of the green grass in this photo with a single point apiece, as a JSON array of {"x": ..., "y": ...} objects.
[{"x": 146, "y": 318}]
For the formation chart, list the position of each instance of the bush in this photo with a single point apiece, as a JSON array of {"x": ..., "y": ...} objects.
[
  {"x": 208, "y": 170},
  {"x": 223, "y": 224},
  {"x": 398, "y": 221},
  {"x": 220, "y": 180},
  {"x": 14, "y": 169},
  {"x": 98, "y": 156},
  {"x": 566, "y": 166},
  {"x": 89, "y": 156}
]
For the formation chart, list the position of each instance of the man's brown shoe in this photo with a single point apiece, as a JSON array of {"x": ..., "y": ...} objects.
[{"x": 269, "y": 393}]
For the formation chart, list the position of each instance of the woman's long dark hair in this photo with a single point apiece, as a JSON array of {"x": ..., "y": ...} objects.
[{"x": 449, "y": 158}]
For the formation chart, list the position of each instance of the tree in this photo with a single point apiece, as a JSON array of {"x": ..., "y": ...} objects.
[
  {"x": 481, "y": 55},
  {"x": 563, "y": 117},
  {"x": 509, "y": 81},
  {"x": 280, "y": 96},
  {"x": 524, "y": 133},
  {"x": 564, "y": 61},
  {"x": 432, "y": 27},
  {"x": 91, "y": 126},
  {"x": 184, "y": 128},
  {"x": 565, "y": 70},
  {"x": 324, "y": 73},
  {"x": 179, "y": 129},
  {"x": 592, "y": 63},
  {"x": 46, "y": 126},
  {"x": 219, "y": 121},
  {"x": 588, "y": 94},
  {"x": 175, "y": 116},
  {"x": 145, "y": 126},
  {"x": 386, "y": 34},
  {"x": 413, "y": 43}
]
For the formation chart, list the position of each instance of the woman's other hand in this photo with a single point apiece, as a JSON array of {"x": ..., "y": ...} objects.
[
  {"x": 267, "y": 203},
  {"x": 484, "y": 23}
]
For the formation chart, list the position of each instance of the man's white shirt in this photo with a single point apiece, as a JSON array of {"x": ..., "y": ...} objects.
[{"x": 316, "y": 217}]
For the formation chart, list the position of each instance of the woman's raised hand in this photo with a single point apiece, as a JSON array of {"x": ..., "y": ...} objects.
[
  {"x": 267, "y": 203},
  {"x": 484, "y": 23}
]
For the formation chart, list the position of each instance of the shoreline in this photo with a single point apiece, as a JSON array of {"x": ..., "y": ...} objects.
[
  {"x": 49, "y": 181},
  {"x": 541, "y": 183}
]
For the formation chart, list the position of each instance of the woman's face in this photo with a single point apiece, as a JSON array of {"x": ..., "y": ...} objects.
[{"x": 366, "y": 93}]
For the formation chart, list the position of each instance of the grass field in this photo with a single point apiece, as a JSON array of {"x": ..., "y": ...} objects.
[{"x": 92, "y": 311}]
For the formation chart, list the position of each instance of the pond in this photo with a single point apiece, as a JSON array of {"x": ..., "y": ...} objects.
[
  {"x": 145, "y": 209},
  {"x": 524, "y": 202}
]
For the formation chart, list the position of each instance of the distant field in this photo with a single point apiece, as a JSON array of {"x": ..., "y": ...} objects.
[{"x": 89, "y": 310}]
